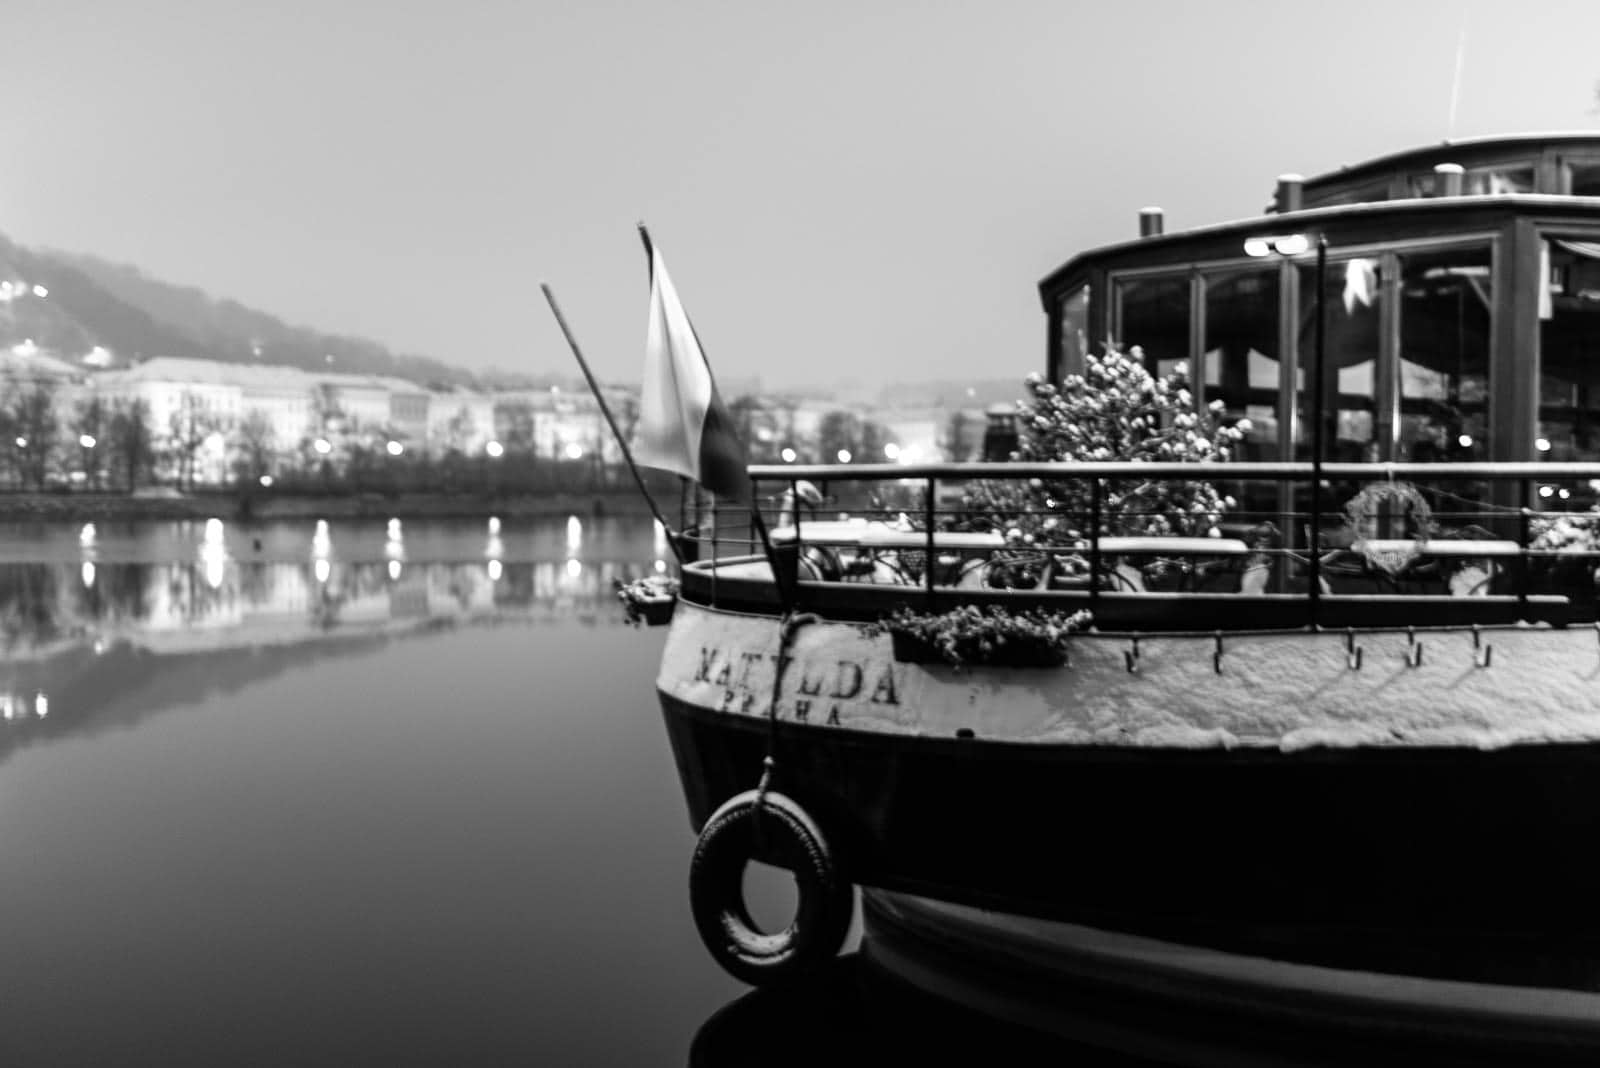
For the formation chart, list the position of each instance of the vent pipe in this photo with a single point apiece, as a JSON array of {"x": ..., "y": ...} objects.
[
  {"x": 1290, "y": 194},
  {"x": 1150, "y": 222},
  {"x": 1447, "y": 180}
]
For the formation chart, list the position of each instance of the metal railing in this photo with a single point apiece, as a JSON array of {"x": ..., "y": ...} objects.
[{"x": 1488, "y": 510}]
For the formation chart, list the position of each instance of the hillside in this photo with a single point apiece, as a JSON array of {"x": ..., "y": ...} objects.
[{"x": 94, "y": 302}]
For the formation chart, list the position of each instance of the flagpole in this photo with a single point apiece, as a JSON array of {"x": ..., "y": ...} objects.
[
  {"x": 605, "y": 410},
  {"x": 787, "y": 593}
]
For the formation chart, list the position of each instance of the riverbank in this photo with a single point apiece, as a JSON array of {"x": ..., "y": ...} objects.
[{"x": 257, "y": 506}]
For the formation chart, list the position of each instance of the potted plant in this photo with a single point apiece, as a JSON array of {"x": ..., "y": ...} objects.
[
  {"x": 988, "y": 635},
  {"x": 1115, "y": 410},
  {"x": 1571, "y": 542}
]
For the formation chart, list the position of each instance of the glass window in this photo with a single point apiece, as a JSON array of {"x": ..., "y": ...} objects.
[
  {"x": 1371, "y": 193},
  {"x": 1240, "y": 364},
  {"x": 1352, "y": 290},
  {"x": 1153, "y": 314},
  {"x": 1485, "y": 180},
  {"x": 1446, "y": 320},
  {"x": 1479, "y": 181},
  {"x": 1569, "y": 352},
  {"x": 1074, "y": 330},
  {"x": 1585, "y": 179}
]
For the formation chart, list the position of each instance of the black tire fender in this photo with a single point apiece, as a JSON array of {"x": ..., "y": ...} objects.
[{"x": 775, "y": 829}]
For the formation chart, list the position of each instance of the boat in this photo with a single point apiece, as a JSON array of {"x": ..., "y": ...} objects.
[{"x": 1327, "y": 757}]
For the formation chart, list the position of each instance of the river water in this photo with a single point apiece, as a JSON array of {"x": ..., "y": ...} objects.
[{"x": 359, "y": 794}]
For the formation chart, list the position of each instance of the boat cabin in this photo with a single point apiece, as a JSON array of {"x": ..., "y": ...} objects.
[
  {"x": 1460, "y": 286},
  {"x": 1431, "y": 318}
]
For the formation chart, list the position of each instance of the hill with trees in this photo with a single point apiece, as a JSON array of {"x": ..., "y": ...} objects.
[{"x": 93, "y": 302}]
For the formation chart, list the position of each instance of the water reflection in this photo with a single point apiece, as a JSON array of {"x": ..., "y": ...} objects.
[
  {"x": 80, "y": 640},
  {"x": 856, "y": 1014},
  {"x": 217, "y": 602},
  {"x": 321, "y": 541}
]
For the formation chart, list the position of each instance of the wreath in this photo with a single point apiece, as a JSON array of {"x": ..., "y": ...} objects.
[{"x": 1388, "y": 500}]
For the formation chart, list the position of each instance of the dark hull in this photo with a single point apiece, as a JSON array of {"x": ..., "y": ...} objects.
[{"x": 1434, "y": 861}]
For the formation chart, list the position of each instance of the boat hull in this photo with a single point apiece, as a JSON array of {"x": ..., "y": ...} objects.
[
  {"x": 1434, "y": 861},
  {"x": 1213, "y": 1007}
]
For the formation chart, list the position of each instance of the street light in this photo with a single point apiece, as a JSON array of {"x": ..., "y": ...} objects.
[
  {"x": 495, "y": 449},
  {"x": 86, "y": 440},
  {"x": 844, "y": 456},
  {"x": 395, "y": 448},
  {"x": 789, "y": 455},
  {"x": 891, "y": 451},
  {"x": 1289, "y": 245},
  {"x": 323, "y": 446}
]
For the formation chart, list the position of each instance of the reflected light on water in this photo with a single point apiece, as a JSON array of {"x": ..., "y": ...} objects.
[
  {"x": 87, "y": 571},
  {"x": 214, "y": 553},
  {"x": 321, "y": 542},
  {"x": 495, "y": 571},
  {"x": 661, "y": 566},
  {"x": 394, "y": 570},
  {"x": 574, "y": 534},
  {"x": 41, "y": 705},
  {"x": 395, "y": 547},
  {"x": 86, "y": 536},
  {"x": 322, "y": 569},
  {"x": 494, "y": 525},
  {"x": 660, "y": 542},
  {"x": 574, "y": 567}
]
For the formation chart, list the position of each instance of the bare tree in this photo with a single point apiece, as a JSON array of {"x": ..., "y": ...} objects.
[
  {"x": 90, "y": 423},
  {"x": 256, "y": 447},
  {"x": 460, "y": 431},
  {"x": 37, "y": 433},
  {"x": 188, "y": 428},
  {"x": 132, "y": 442}
]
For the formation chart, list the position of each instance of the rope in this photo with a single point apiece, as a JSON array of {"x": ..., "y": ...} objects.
[{"x": 787, "y": 627}]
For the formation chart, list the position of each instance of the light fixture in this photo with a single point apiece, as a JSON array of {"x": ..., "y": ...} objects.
[
  {"x": 1283, "y": 245},
  {"x": 789, "y": 455}
]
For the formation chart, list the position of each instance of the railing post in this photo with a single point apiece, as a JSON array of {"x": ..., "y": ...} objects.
[
  {"x": 928, "y": 520},
  {"x": 1524, "y": 529},
  {"x": 1313, "y": 548},
  {"x": 1094, "y": 544}
]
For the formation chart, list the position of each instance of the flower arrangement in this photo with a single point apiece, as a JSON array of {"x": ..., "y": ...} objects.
[
  {"x": 649, "y": 600},
  {"x": 1566, "y": 532},
  {"x": 970, "y": 634},
  {"x": 1115, "y": 410}
]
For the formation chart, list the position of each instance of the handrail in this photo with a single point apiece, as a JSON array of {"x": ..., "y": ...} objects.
[{"x": 1200, "y": 469}]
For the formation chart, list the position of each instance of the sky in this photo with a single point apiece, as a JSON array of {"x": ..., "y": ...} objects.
[{"x": 845, "y": 193}]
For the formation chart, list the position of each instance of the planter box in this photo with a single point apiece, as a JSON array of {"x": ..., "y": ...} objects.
[
  {"x": 909, "y": 649},
  {"x": 657, "y": 613}
]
